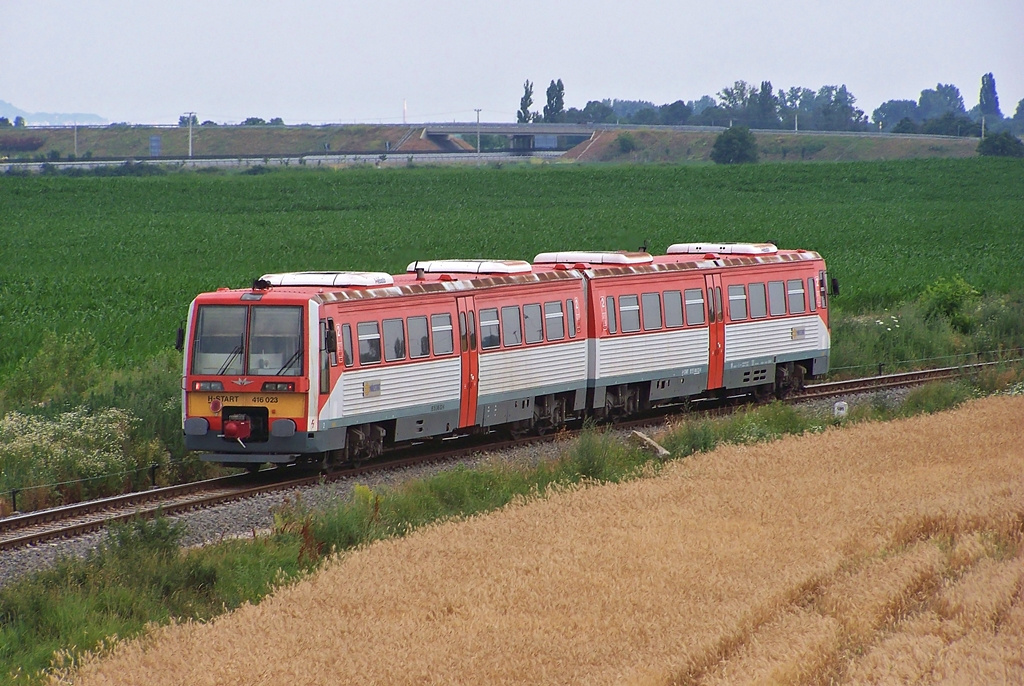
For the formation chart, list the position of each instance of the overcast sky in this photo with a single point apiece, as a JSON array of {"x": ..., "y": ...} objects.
[{"x": 389, "y": 61}]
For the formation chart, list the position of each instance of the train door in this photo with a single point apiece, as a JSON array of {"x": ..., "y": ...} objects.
[
  {"x": 716, "y": 329},
  {"x": 470, "y": 360}
]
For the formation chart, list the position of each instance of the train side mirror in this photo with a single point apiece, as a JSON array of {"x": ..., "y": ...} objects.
[
  {"x": 179, "y": 343},
  {"x": 835, "y": 286}
]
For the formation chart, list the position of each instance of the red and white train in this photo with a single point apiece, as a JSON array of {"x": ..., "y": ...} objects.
[{"x": 337, "y": 366}]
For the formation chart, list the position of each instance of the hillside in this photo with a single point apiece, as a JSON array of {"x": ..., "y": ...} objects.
[
  {"x": 657, "y": 145},
  {"x": 881, "y": 553}
]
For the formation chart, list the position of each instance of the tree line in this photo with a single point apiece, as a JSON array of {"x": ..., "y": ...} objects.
[{"x": 939, "y": 110}]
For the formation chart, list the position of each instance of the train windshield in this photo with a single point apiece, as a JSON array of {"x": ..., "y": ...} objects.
[{"x": 261, "y": 340}]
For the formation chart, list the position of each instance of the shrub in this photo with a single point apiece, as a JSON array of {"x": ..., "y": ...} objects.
[
  {"x": 627, "y": 143},
  {"x": 1002, "y": 144},
  {"x": 735, "y": 145},
  {"x": 952, "y": 299}
]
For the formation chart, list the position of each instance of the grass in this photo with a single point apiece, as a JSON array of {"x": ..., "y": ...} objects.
[{"x": 139, "y": 575}]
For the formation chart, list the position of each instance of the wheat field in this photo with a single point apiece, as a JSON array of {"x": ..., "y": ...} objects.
[{"x": 879, "y": 553}]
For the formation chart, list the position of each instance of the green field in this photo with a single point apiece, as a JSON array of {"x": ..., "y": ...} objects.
[{"x": 119, "y": 259}]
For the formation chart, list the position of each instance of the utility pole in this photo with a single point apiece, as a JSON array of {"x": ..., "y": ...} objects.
[
  {"x": 191, "y": 116},
  {"x": 478, "y": 136}
]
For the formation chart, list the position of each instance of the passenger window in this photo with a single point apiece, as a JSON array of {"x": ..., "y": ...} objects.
[
  {"x": 554, "y": 321},
  {"x": 694, "y": 306},
  {"x": 533, "y": 323},
  {"x": 652, "y": 311},
  {"x": 394, "y": 340},
  {"x": 673, "y": 309},
  {"x": 441, "y": 327},
  {"x": 812, "y": 294},
  {"x": 795, "y": 292},
  {"x": 419, "y": 339},
  {"x": 629, "y": 313},
  {"x": 490, "y": 329},
  {"x": 737, "y": 303},
  {"x": 612, "y": 328},
  {"x": 776, "y": 298},
  {"x": 570, "y": 310},
  {"x": 512, "y": 325},
  {"x": 346, "y": 344},
  {"x": 758, "y": 301},
  {"x": 369, "y": 342},
  {"x": 463, "y": 340}
]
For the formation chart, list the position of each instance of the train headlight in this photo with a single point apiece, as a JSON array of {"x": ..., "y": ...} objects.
[
  {"x": 207, "y": 386},
  {"x": 279, "y": 386}
]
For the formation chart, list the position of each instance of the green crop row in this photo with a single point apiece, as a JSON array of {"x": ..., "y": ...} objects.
[{"x": 119, "y": 259}]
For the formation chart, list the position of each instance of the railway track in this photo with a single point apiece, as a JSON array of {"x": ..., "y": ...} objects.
[{"x": 74, "y": 520}]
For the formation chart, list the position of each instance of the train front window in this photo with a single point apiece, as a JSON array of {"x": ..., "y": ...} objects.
[
  {"x": 220, "y": 339},
  {"x": 235, "y": 339},
  {"x": 275, "y": 341}
]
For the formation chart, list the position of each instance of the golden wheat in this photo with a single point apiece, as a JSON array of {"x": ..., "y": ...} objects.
[{"x": 876, "y": 553}]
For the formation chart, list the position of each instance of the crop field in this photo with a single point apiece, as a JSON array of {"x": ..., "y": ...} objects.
[
  {"x": 117, "y": 260},
  {"x": 881, "y": 553}
]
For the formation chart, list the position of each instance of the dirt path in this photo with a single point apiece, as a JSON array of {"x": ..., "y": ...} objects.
[{"x": 886, "y": 552}]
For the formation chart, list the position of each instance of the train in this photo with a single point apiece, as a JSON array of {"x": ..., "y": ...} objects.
[{"x": 337, "y": 367}]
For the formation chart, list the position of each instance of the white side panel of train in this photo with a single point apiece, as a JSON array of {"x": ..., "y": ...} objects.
[
  {"x": 673, "y": 349},
  {"x": 761, "y": 337},
  {"x": 384, "y": 389},
  {"x": 532, "y": 367}
]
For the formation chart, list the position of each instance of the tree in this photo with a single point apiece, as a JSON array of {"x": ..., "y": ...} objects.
[
  {"x": 764, "y": 108},
  {"x": 735, "y": 145},
  {"x": 988, "y": 101},
  {"x": 276, "y": 121},
  {"x": 699, "y": 106},
  {"x": 5, "y": 123},
  {"x": 554, "y": 111},
  {"x": 253, "y": 121},
  {"x": 1002, "y": 144},
  {"x": 834, "y": 110},
  {"x": 524, "y": 116},
  {"x": 19, "y": 121},
  {"x": 1017, "y": 123},
  {"x": 906, "y": 125},
  {"x": 675, "y": 114},
  {"x": 950, "y": 124},
  {"x": 183, "y": 120},
  {"x": 935, "y": 102},
  {"x": 648, "y": 116},
  {"x": 892, "y": 112}
]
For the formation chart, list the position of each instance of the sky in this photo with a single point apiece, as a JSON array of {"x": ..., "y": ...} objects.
[{"x": 403, "y": 61}]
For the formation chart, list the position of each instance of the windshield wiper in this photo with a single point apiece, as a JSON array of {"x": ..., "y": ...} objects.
[
  {"x": 290, "y": 362},
  {"x": 231, "y": 358}
]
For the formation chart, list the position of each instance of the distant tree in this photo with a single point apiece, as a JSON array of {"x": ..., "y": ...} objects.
[
  {"x": 624, "y": 109},
  {"x": 524, "y": 116},
  {"x": 253, "y": 121},
  {"x": 713, "y": 116},
  {"x": 5, "y": 123},
  {"x": 735, "y": 145},
  {"x": 906, "y": 125},
  {"x": 627, "y": 143},
  {"x": 950, "y": 124},
  {"x": 675, "y": 114},
  {"x": 988, "y": 101},
  {"x": 1017, "y": 122},
  {"x": 183, "y": 120},
  {"x": 1003, "y": 144},
  {"x": 736, "y": 98},
  {"x": 554, "y": 111},
  {"x": 892, "y": 112},
  {"x": 19, "y": 121},
  {"x": 598, "y": 113},
  {"x": 763, "y": 110},
  {"x": 647, "y": 116},
  {"x": 796, "y": 108},
  {"x": 209, "y": 122},
  {"x": 834, "y": 110},
  {"x": 698, "y": 106},
  {"x": 935, "y": 102},
  {"x": 276, "y": 121}
]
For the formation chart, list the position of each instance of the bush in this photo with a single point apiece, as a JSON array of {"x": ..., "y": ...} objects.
[
  {"x": 1002, "y": 144},
  {"x": 735, "y": 145},
  {"x": 627, "y": 143},
  {"x": 952, "y": 299}
]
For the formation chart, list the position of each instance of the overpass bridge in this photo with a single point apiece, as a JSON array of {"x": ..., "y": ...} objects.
[{"x": 521, "y": 136}]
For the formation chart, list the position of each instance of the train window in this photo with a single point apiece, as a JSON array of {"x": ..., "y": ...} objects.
[
  {"x": 694, "y": 306},
  {"x": 823, "y": 288},
  {"x": 419, "y": 339},
  {"x": 533, "y": 323},
  {"x": 795, "y": 293},
  {"x": 444, "y": 340},
  {"x": 776, "y": 298},
  {"x": 463, "y": 340},
  {"x": 673, "y": 309},
  {"x": 719, "y": 312},
  {"x": 220, "y": 339},
  {"x": 711, "y": 305},
  {"x": 275, "y": 341},
  {"x": 612, "y": 328},
  {"x": 812, "y": 294},
  {"x": 512, "y": 325},
  {"x": 652, "y": 310},
  {"x": 490, "y": 329},
  {"x": 554, "y": 321},
  {"x": 346, "y": 344},
  {"x": 737, "y": 303},
  {"x": 570, "y": 309},
  {"x": 394, "y": 340},
  {"x": 368, "y": 334},
  {"x": 629, "y": 313},
  {"x": 758, "y": 301},
  {"x": 472, "y": 330}
]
